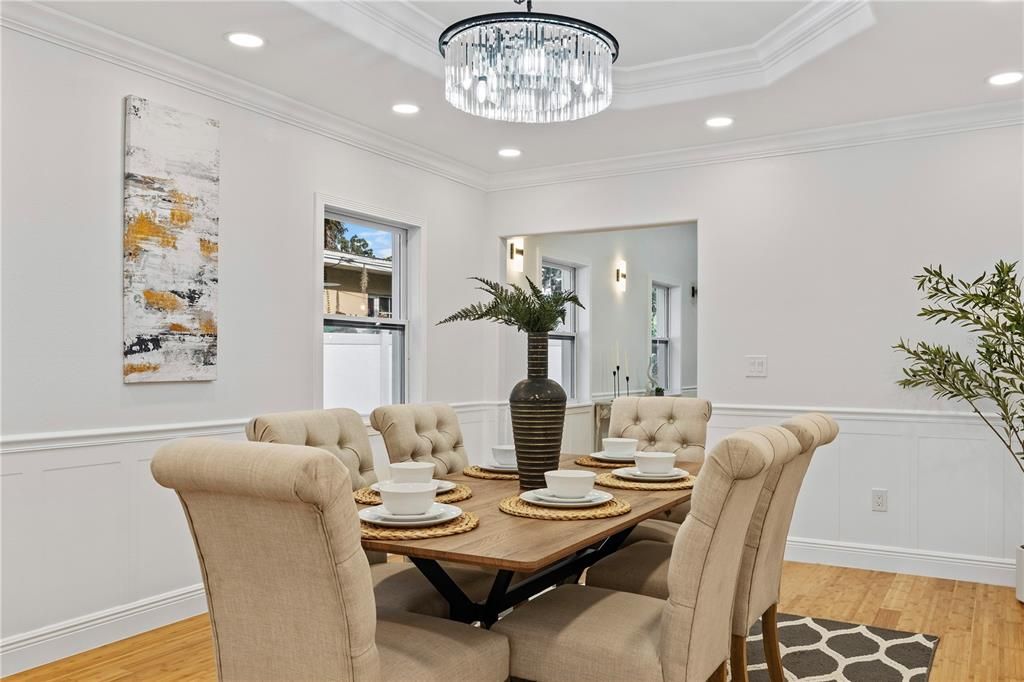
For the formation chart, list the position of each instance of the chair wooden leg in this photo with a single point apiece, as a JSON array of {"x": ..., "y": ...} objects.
[
  {"x": 719, "y": 674},
  {"x": 739, "y": 658},
  {"x": 770, "y": 639}
]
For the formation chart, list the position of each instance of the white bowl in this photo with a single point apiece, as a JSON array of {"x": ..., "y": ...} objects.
[
  {"x": 654, "y": 462},
  {"x": 505, "y": 455},
  {"x": 569, "y": 483},
  {"x": 412, "y": 472},
  {"x": 619, "y": 447},
  {"x": 407, "y": 498}
]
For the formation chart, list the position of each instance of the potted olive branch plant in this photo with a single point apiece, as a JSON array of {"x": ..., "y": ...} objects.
[
  {"x": 537, "y": 403},
  {"x": 991, "y": 308}
]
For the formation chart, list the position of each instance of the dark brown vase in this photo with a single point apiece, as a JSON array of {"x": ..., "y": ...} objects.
[{"x": 538, "y": 415}]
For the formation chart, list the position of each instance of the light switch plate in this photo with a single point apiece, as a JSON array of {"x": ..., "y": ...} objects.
[{"x": 757, "y": 365}]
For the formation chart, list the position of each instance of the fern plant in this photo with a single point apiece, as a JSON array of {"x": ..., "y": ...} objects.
[
  {"x": 991, "y": 308},
  {"x": 532, "y": 311}
]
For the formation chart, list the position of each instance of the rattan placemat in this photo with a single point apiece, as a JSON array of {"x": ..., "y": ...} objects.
[
  {"x": 467, "y": 522},
  {"x": 516, "y": 507},
  {"x": 476, "y": 472},
  {"x": 610, "y": 480},
  {"x": 457, "y": 494},
  {"x": 588, "y": 461}
]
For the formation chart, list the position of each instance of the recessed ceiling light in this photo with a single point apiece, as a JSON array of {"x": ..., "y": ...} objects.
[
  {"x": 509, "y": 153},
  {"x": 405, "y": 109},
  {"x": 250, "y": 40},
  {"x": 718, "y": 122},
  {"x": 1008, "y": 78}
]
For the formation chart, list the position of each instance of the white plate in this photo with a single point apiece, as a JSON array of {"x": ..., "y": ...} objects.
[
  {"x": 373, "y": 515},
  {"x": 499, "y": 468},
  {"x": 442, "y": 486},
  {"x": 601, "y": 498},
  {"x": 433, "y": 512},
  {"x": 545, "y": 494},
  {"x": 605, "y": 457},
  {"x": 633, "y": 474}
]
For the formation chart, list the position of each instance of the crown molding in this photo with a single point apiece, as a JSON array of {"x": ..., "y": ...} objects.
[
  {"x": 995, "y": 115},
  {"x": 406, "y": 32},
  {"x": 69, "y": 32},
  {"x": 809, "y": 33}
]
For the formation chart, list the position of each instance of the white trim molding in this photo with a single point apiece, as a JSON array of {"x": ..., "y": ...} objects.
[
  {"x": 979, "y": 569},
  {"x": 946, "y": 122},
  {"x": 64, "y": 30},
  {"x": 404, "y": 31},
  {"x": 53, "y": 642}
]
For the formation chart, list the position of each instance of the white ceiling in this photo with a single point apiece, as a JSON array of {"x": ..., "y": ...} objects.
[{"x": 898, "y": 58}]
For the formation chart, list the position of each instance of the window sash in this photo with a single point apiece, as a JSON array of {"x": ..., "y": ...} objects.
[{"x": 567, "y": 362}]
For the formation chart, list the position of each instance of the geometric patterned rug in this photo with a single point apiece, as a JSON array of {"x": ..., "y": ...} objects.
[{"x": 818, "y": 650}]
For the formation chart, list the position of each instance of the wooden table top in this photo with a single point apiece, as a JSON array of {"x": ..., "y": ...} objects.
[{"x": 520, "y": 544}]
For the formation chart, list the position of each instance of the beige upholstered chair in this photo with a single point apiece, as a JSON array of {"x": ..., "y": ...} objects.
[
  {"x": 399, "y": 586},
  {"x": 427, "y": 432},
  {"x": 289, "y": 591},
  {"x": 340, "y": 432},
  {"x": 580, "y": 633},
  {"x": 662, "y": 424},
  {"x": 643, "y": 567}
]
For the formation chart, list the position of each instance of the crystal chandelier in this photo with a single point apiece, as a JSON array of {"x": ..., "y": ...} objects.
[{"x": 526, "y": 67}]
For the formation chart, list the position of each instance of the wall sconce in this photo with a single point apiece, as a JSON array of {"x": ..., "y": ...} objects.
[
  {"x": 516, "y": 253},
  {"x": 620, "y": 275}
]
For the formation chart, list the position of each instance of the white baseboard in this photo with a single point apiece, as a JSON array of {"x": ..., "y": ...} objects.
[
  {"x": 977, "y": 569},
  {"x": 60, "y": 640}
]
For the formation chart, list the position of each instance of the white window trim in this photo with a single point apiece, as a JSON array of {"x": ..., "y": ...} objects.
[{"x": 411, "y": 297}]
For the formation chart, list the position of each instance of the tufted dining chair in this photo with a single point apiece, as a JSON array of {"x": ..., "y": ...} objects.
[
  {"x": 424, "y": 432},
  {"x": 289, "y": 591},
  {"x": 662, "y": 424},
  {"x": 342, "y": 433},
  {"x": 643, "y": 568},
  {"x": 581, "y": 633}
]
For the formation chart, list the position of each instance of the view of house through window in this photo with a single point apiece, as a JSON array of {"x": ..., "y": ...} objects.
[
  {"x": 562, "y": 341},
  {"x": 364, "y": 321}
]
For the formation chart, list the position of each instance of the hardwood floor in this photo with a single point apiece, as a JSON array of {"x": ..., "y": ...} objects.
[{"x": 981, "y": 626}]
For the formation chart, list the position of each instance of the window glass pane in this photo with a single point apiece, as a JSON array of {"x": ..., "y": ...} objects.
[
  {"x": 358, "y": 269},
  {"x": 557, "y": 278},
  {"x": 561, "y": 364},
  {"x": 659, "y": 349},
  {"x": 363, "y": 365},
  {"x": 659, "y": 311}
]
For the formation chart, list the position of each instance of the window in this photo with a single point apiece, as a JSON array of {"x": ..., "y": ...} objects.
[
  {"x": 364, "y": 320},
  {"x": 660, "y": 334},
  {"x": 562, "y": 341}
]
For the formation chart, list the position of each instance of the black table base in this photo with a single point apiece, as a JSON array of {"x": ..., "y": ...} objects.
[{"x": 501, "y": 598}]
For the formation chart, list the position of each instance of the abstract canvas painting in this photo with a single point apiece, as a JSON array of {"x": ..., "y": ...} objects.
[{"x": 171, "y": 191}]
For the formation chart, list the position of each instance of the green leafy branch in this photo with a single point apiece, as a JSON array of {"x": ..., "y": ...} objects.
[
  {"x": 532, "y": 311},
  {"x": 991, "y": 308}
]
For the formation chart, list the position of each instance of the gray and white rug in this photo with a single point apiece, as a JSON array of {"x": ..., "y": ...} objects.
[{"x": 817, "y": 650}]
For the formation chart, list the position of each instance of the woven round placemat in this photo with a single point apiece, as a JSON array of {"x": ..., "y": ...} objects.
[
  {"x": 467, "y": 522},
  {"x": 588, "y": 461},
  {"x": 457, "y": 494},
  {"x": 476, "y": 472},
  {"x": 610, "y": 480},
  {"x": 516, "y": 507}
]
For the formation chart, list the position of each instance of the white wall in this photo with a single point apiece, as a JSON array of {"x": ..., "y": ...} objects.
[
  {"x": 807, "y": 259},
  {"x": 85, "y": 529},
  {"x": 619, "y": 321}
]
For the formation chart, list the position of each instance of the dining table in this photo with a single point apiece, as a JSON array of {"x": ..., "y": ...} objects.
[{"x": 528, "y": 555}]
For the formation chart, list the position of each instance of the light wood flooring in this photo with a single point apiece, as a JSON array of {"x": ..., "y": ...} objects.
[{"x": 981, "y": 626}]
